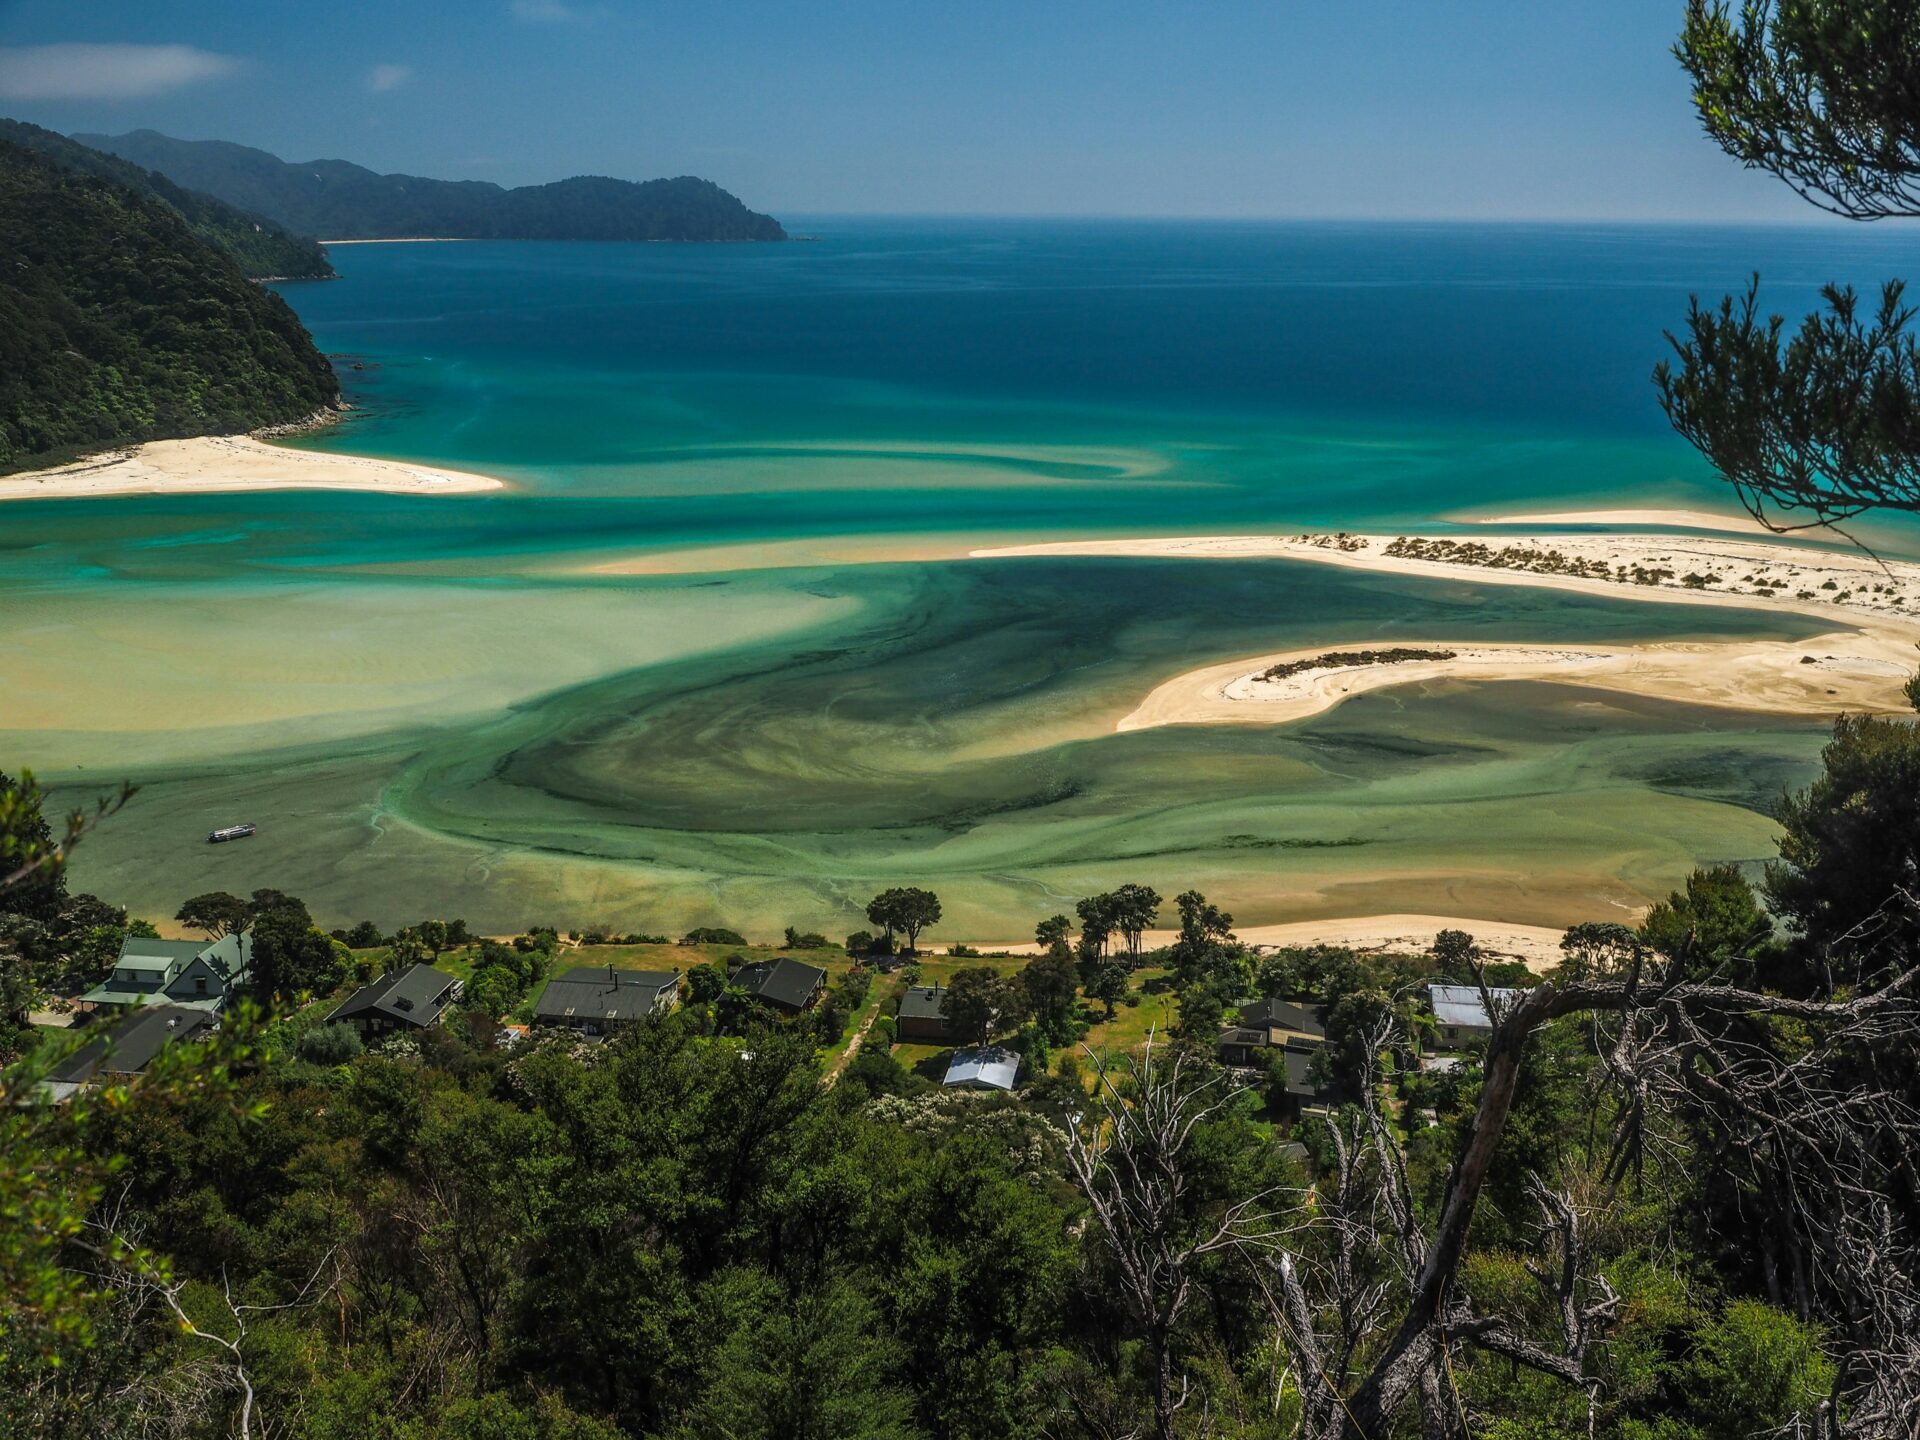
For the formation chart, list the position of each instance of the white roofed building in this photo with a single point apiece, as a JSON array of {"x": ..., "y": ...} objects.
[
  {"x": 984, "y": 1067},
  {"x": 1460, "y": 1012}
]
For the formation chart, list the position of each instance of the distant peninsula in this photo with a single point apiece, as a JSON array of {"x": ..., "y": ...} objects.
[{"x": 337, "y": 200}]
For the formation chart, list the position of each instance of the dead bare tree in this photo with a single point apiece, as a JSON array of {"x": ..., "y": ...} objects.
[
  {"x": 1798, "y": 1115},
  {"x": 1132, "y": 1159},
  {"x": 141, "y": 1280}
]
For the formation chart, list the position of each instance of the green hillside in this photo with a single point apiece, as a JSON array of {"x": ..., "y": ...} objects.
[
  {"x": 261, "y": 248},
  {"x": 118, "y": 323},
  {"x": 341, "y": 201}
]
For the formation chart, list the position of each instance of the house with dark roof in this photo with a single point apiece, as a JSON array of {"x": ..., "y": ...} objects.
[
  {"x": 789, "y": 986},
  {"x": 196, "y": 974},
  {"x": 127, "y": 1047},
  {"x": 408, "y": 999},
  {"x": 1273, "y": 1029},
  {"x": 1460, "y": 1012},
  {"x": 1267, "y": 1025},
  {"x": 923, "y": 1016},
  {"x": 983, "y": 1067},
  {"x": 598, "y": 999}
]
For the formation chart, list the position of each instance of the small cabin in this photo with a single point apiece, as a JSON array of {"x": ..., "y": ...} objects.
[
  {"x": 789, "y": 986},
  {"x": 411, "y": 998},
  {"x": 923, "y": 1016},
  {"x": 598, "y": 999}
]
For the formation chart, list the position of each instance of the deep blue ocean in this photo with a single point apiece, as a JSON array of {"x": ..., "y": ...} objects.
[{"x": 1210, "y": 374}]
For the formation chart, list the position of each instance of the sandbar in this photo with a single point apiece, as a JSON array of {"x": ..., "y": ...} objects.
[
  {"x": 234, "y": 462},
  {"x": 1861, "y": 665}
]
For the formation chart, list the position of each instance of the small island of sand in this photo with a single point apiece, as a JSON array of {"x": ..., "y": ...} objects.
[
  {"x": 215, "y": 463},
  {"x": 1860, "y": 666}
]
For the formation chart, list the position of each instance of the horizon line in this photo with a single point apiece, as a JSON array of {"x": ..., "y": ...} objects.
[{"x": 1813, "y": 222}]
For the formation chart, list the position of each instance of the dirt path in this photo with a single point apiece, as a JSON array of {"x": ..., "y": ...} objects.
[{"x": 853, "y": 1047}]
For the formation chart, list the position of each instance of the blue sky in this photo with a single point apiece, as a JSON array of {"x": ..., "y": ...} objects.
[{"x": 1253, "y": 108}]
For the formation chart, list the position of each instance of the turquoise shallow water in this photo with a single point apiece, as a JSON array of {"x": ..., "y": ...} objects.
[{"x": 422, "y": 698}]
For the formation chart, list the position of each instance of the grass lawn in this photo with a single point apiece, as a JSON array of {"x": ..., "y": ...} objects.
[
  {"x": 1126, "y": 1033},
  {"x": 1110, "y": 1039},
  {"x": 835, "y": 1057},
  {"x": 928, "y": 1060}
]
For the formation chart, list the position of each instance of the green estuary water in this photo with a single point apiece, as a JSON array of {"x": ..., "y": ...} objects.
[{"x": 444, "y": 705}]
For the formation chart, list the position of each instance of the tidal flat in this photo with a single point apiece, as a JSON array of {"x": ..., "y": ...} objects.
[
  {"x": 717, "y": 656},
  {"x": 953, "y": 724}
]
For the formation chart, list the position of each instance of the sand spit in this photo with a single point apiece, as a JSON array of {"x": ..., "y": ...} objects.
[
  {"x": 1859, "y": 666},
  {"x": 234, "y": 462}
]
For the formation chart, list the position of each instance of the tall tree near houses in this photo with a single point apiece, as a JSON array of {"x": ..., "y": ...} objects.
[
  {"x": 1096, "y": 925},
  {"x": 1134, "y": 909},
  {"x": 977, "y": 1001},
  {"x": 1821, "y": 425},
  {"x": 907, "y": 910},
  {"x": 215, "y": 914}
]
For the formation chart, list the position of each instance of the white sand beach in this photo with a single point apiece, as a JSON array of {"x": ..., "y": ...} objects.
[
  {"x": 1741, "y": 524},
  {"x": 1537, "y": 946},
  {"x": 1860, "y": 665},
  {"x": 234, "y": 462},
  {"x": 401, "y": 240}
]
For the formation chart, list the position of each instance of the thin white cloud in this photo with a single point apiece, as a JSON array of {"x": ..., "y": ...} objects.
[
  {"x": 552, "y": 12},
  {"x": 388, "y": 77},
  {"x": 105, "y": 72}
]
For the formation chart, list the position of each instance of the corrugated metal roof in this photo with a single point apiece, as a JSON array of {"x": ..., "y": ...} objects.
[
  {"x": 139, "y": 951},
  {"x": 985, "y": 1067},
  {"x": 1462, "y": 1005}
]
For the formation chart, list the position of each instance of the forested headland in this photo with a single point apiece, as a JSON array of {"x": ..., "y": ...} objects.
[
  {"x": 120, "y": 323},
  {"x": 259, "y": 246}
]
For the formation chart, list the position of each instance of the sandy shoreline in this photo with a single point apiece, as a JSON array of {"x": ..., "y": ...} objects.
[
  {"x": 1860, "y": 665},
  {"x": 234, "y": 462},
  {"x": 1668, "y": 519},
  {"x": 402, "y": 240},
  {"x": 1538, "y": 946}
]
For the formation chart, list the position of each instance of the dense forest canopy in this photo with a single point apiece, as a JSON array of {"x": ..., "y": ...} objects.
[
  {"x": 340, "y": 201},
  {"x": 1666, "y": 1195},
  {"x": 260, "y": 247},
  {"x": 118, "y": 323}
]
